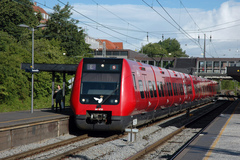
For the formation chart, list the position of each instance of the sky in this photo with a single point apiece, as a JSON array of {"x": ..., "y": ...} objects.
[{"x": 139, "y": 22}]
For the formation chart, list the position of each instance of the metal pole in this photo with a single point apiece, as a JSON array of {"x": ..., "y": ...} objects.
[
  {"x": 32, "y": 69},
  {"x": 64, "y": 85},
  {"x": 53, "y": 83},
  {"x": 204, "y": 49},
  {"x": 104, "y": 50}
]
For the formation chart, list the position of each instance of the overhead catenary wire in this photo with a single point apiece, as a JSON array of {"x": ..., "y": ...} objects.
[
  {"x": 190, "y": 16},
  {"x": 220, "y": 24},
  {"x": 181, "y": 30},
  {"x": 197, "y": 26},
  {"x": 128, "y": 23},
  {"x": 100, "y": 23},
  {"x": 97, "y": 27},
  {"x": 130, "y": 29}
]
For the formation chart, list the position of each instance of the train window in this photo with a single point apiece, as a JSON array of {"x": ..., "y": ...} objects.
[
  {"x": 185, "y": 89},
  {"x": 141, "y": 89},
  {"x": 173, "y": 89},
  {"x": 146, "y": 88},
  {"x": 181, "y": 89},
  {"x": 195, "y": 88},
  {"x": 104, "y": 83},
  {"x": 168, "y": 89},
  {"x": 179, "y": 86},
  {"x": 176, "y": 88},
  {"x": 154, "y": 88},
  {"x": 150, "y": 88},
  {"x": 170, "y": 86},
  {"x": 134, "y": 81},
  {"x": 189, "y": 89},
  {"x": 159, "y": 89},
  {"x": 161, "y": 85}
]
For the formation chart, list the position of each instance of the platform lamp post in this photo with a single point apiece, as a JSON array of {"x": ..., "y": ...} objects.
[{"x": 32, "y": 67}]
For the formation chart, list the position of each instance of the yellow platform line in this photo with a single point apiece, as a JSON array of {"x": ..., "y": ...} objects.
[{"x": 217, "y": 139}]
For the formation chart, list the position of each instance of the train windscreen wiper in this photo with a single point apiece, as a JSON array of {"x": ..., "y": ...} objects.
[{"x": 100, "y": 105}]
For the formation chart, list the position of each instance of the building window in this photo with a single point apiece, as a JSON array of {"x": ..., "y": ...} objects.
[
  {"x": 123, "y": 53},
  {"x": 151, "y": 62}
]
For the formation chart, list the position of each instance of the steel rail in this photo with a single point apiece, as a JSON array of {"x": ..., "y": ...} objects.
[
  {"x": 79, "y": 149},
  {"x": 168, "y": 137},
  {"x": 45, "y": 148},
  {"x": 192, "y": 139}
]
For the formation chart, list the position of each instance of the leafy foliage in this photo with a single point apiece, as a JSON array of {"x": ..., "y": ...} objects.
[
  {"x": 62, "y": 28},
  {"x": 14, "y": 82},
  {"x": 163, "y": 48},
  {"x": 13, "y": 13},
  {"x": 61, "y": 36}
]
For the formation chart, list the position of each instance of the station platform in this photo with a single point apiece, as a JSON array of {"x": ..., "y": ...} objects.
[
  {"x": 220, "y": 140},
  {"x": 24, "y": 127}
]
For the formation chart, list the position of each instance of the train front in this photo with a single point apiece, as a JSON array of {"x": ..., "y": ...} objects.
[{"x": 95, "y": 97}]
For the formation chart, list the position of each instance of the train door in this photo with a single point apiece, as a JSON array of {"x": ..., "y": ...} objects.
[
  {"x": 147, "y": 91},
  {"x": 168, "y": 88},
  {"x": 137, "y": 97},
  {"x": 142, "y": 94}
]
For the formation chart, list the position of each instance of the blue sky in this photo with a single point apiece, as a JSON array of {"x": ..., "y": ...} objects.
[
  {"x": 136, "y": 23},
  {"x": 203, "y": 4}
]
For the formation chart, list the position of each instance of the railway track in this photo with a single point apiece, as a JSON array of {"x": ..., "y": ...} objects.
[
  {"x": 175, "y": 142},
  {"x": 45, "y": 148},
  {"x": 57, "y": 155},
  {"x": 64, "y": 143}
]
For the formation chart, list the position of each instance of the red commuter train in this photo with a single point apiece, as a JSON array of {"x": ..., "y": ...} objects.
[{"x": 109, "y": 94}]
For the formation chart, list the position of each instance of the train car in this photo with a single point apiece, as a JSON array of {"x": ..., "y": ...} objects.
[{"x": 108, "y": 94}]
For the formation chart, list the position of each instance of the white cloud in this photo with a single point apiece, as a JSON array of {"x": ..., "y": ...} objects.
[{"x": 145, "y": 19}]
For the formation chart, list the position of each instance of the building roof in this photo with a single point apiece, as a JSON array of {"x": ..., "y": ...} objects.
[
  {"x": 111, "y": 45},
  {"x": 38, "y": 9}
]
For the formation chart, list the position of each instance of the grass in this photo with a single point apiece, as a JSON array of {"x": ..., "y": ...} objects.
[{"x": 38, "y": 103}]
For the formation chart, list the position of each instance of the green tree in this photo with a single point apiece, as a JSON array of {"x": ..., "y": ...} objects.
[
  {"x": 65, "y": 29},
  {"x": 13, "y": 81},
  {"x": 163, "y": 48},
  {"x": 154, "y": 50},
  {"x": 173, "y": 46},
  {"x": 13, "y": 13}
]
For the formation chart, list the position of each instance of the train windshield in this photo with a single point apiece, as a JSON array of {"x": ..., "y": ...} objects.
[{"x": 100, "y": 83}]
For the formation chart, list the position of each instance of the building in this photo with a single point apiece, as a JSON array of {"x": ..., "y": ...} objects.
[
  {"x": 110, "y": 45},
  {"x": 45, "y": 15},
  {"x": 100, "y": 44}
]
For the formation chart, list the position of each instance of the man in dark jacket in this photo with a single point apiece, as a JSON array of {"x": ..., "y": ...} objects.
[{"x": 58, "y": 93}]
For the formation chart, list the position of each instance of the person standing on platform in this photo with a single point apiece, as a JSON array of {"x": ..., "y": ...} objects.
[{"x": 58, "y": 93}]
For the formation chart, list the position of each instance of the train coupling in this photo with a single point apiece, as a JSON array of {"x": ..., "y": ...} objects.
[{"x": 98, "y": 117}]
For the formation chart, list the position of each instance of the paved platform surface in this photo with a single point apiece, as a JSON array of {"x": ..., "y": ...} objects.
[
  {"x": 24, "y": 127},
  {"x": 220, "y": 140},
  {"x": 11, "y": 119}
]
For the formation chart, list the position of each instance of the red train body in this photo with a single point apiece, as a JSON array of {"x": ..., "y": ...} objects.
[{"x": 108, "y": 94}]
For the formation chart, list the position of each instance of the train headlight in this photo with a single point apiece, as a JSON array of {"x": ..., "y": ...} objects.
[
  {"x": 114, "y": 101},
  {"x": 83, "y": 100}
]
